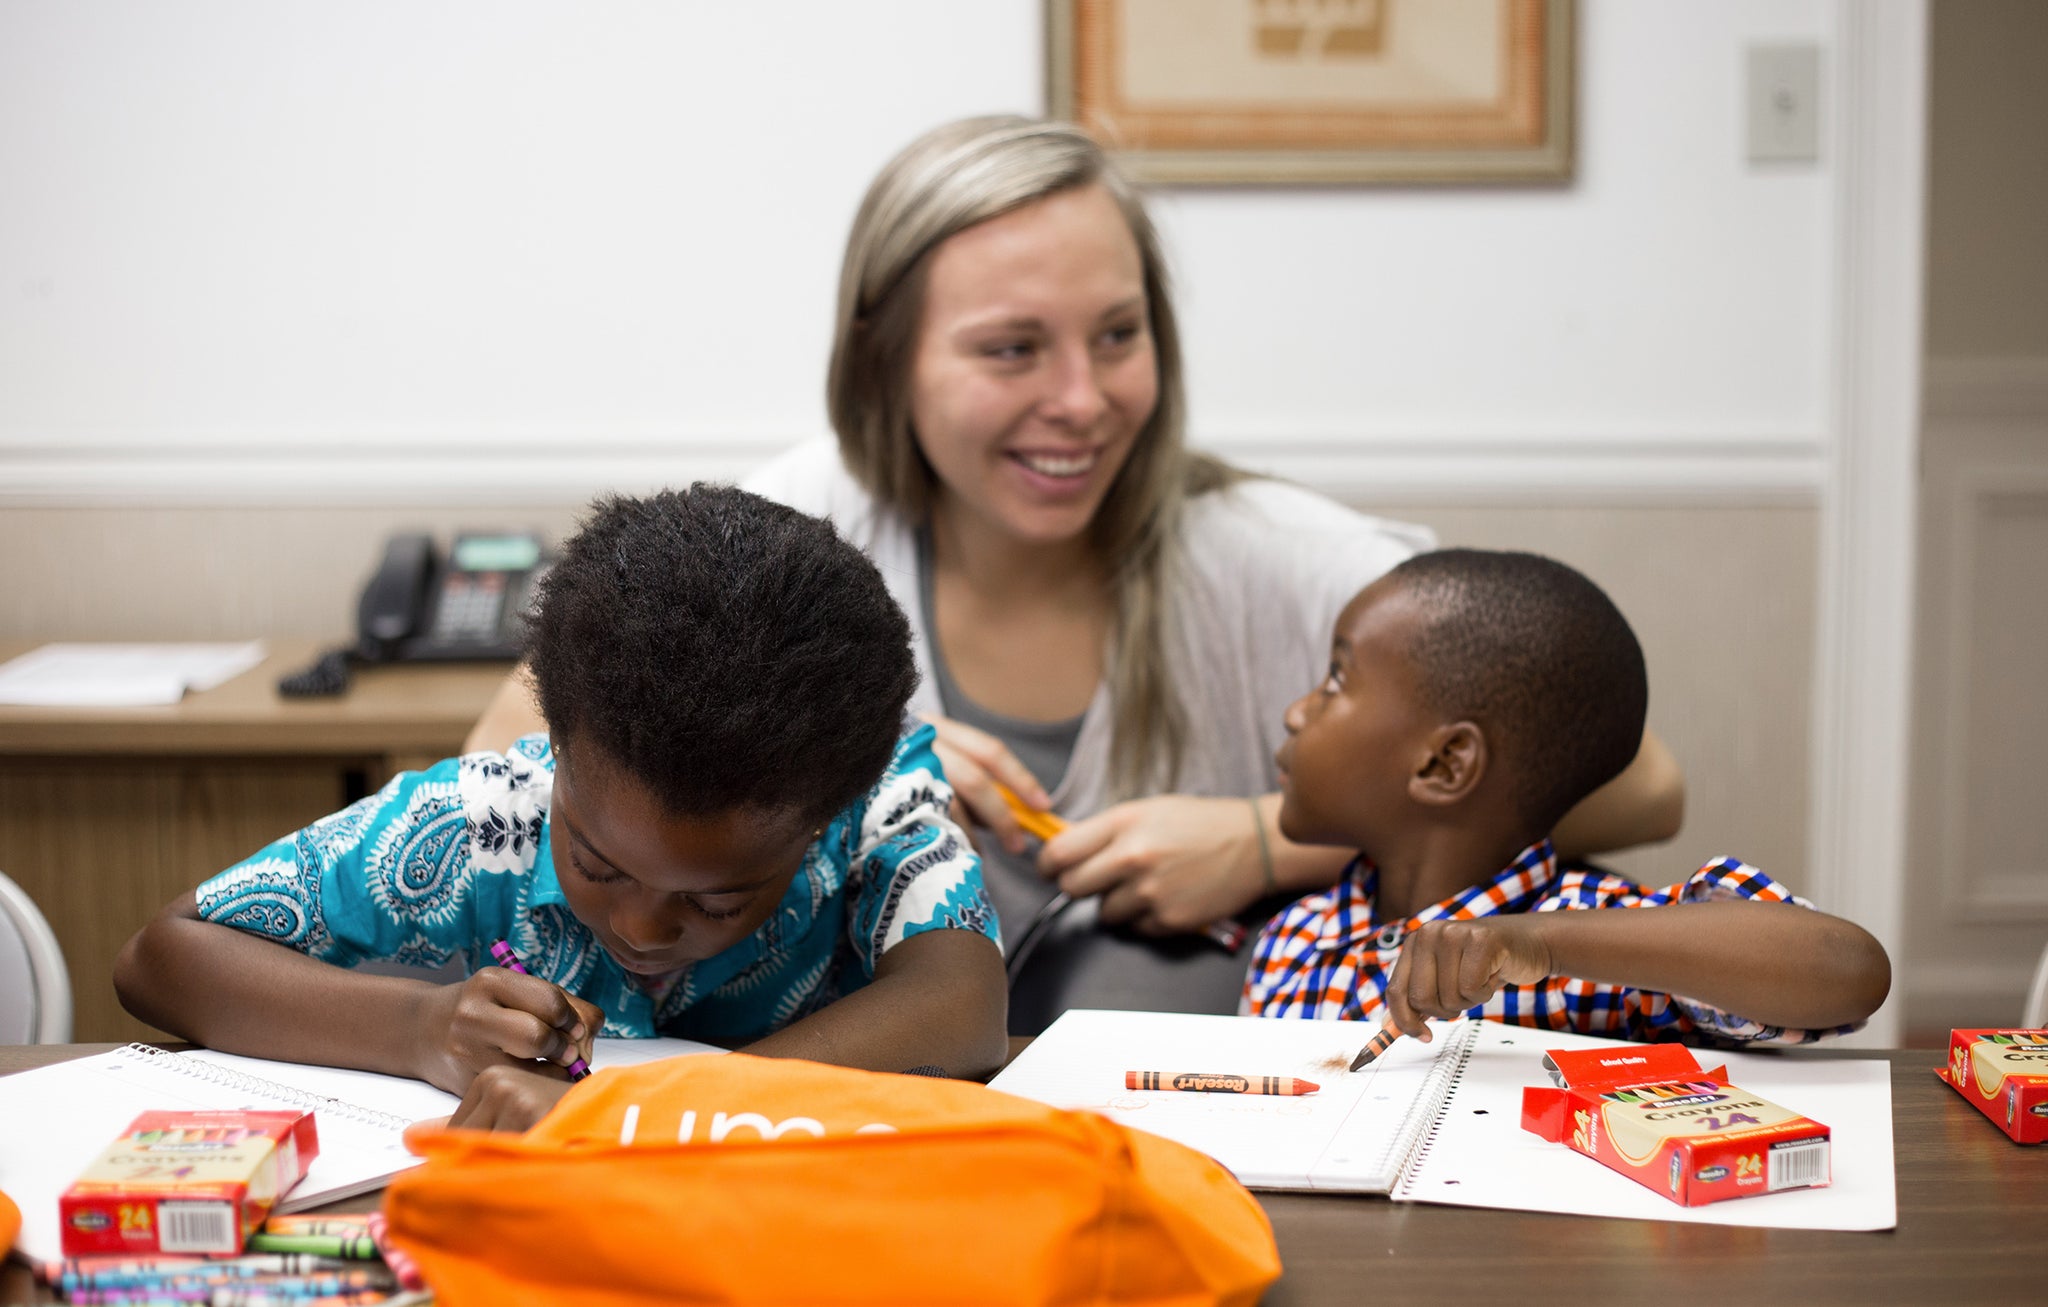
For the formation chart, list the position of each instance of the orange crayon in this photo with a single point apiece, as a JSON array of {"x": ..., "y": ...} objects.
[
  {"x": 1215, "y": 1082},
  {"x": 1226, "y": 935},
  {"x": 1375, "y": 1046}
]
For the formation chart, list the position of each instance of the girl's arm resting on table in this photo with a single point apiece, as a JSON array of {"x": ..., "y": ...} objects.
[
  {"x": 510, "y": 714},
  {"x": 1777, "y": 964},
  {"x": 240, "y": 993},
  {"x": 939, "y": 998},
  {"x": 1643, "y": 805}
]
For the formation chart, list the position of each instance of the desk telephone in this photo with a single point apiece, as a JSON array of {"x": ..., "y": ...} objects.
[{"x": 418, "y": 606}]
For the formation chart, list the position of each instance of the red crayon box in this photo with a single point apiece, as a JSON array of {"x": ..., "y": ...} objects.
[
  {"x": 186, "y": 1182},
  {"x": 1652, "y": 1114},
  {"x": 2005, "y": 1073}
]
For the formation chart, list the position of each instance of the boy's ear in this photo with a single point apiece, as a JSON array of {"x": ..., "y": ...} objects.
[{"x": 1454, "y": 766}]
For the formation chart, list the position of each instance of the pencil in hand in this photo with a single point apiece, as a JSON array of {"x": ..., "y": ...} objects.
[
  {"x": 502, "y": 954},
  {"x": 1375, "y": 1046},
  {"x": 1226, "y": 935}
]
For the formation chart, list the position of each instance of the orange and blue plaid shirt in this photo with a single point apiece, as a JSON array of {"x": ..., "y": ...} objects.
[{"x": 1327, "y": 956}]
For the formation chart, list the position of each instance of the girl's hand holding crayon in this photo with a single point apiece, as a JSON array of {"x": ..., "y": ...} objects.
[{"x": 499, "y": 1018}]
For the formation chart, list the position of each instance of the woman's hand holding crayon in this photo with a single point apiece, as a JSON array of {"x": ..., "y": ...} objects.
[
  {"x": 1154, "y": 863},
  {"x": 990, "y": 786}
]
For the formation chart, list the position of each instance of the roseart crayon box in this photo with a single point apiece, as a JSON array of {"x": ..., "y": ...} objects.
[
  {"x": 1652, "y": 1114},
  {"x": 186, "y": 1182},
  {"x": 2005, "y": 1073}
]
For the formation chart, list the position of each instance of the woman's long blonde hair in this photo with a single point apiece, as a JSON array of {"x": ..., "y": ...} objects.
[{"x": 946, "y": 181}]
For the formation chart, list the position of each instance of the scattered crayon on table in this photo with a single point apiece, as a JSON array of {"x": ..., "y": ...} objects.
[
  {"x": 359, "y": 1247},
  {"x": 1212, "y": 1082}
]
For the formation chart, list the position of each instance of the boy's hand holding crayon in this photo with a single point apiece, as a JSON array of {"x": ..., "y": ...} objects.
[{"x": 1449, "y": 967}]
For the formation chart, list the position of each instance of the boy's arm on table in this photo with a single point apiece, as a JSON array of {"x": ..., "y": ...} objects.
[
  {"x": 939, "y": 998},
  {"x": 1643, "y": 805},
  {"x": 1778, "y": 964},
  {"x": 510, "y": 714},
  {"x": 241, "y": 993}
]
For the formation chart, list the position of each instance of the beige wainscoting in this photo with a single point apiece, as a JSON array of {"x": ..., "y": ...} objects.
[
  {"x": 211, "y": 573},
  {"x": 1722, "y": 598},
  {"x": 1977, "y": 906}
]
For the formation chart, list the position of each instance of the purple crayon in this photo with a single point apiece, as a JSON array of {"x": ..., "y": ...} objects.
[{"x": 502, "y": 953}]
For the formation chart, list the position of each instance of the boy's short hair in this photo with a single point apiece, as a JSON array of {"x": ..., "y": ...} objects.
[
  {"x": 727, "y": 651},
  {"x": 1541, "y": 658}
]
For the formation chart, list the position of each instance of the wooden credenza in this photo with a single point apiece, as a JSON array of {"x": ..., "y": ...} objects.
[{"x": 108, "y": 814}]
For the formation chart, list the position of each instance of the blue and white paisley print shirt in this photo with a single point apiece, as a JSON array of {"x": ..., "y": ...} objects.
[{"x": 443, "y": 862}]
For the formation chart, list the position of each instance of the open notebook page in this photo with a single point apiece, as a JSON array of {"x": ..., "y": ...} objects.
[
  {"x": 63, "y": 1115},
  {"x": 1481, "y": 1157},
  {"x": 1350, "y": 1136}
]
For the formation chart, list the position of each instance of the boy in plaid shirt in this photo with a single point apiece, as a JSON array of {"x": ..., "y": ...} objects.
[{"x": 1472, "y": 698}]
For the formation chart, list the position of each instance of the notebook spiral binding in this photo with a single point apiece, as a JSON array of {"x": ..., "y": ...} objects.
[
  {"x": 214, "y": 1073},
  {"x": 1419, "y": 1134}
]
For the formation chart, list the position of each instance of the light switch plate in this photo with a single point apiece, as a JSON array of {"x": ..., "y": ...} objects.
[{"x": 1784, "y": 103}]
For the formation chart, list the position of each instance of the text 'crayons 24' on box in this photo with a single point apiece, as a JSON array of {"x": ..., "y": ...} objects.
[
  {"x": 187, "y": 1182},
  {"x": 1652, "y": 1114},
  {"x": 2005, "y": 1073}
]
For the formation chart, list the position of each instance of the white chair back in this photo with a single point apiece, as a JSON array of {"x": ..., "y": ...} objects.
[
  {"x": 2035, "y": 1017},
  {"x": 35, "y": 986}
]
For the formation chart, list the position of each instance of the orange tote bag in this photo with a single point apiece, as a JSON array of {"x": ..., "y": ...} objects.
[{"x": 737, "y": 1179}]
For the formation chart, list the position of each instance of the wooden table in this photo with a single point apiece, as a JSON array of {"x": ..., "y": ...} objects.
[
  {"x": 108, "y": 814},
  {"x": 1972, "y": 1206}
]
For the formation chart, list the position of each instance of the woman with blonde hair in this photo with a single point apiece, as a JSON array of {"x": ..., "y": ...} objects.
[{"x": 1107, "y": 624}]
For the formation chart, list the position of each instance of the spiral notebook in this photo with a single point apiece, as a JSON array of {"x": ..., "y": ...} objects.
[
  {"x": 1356, "y": 1134},
  {"x": 1437, "y": 1122},
  {"x": 59, "y": 1117}
]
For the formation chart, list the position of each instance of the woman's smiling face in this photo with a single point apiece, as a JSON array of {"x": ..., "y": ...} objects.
[{"x": 1034, "y": 369}]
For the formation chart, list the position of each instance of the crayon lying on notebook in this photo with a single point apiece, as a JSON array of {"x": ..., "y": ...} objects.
[
  {"x": 1213, "y": 1082},
  {"x": 1227, "y": 935},
  {"x": 501, "y": 952}
]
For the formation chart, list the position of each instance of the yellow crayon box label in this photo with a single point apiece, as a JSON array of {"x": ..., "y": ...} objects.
[
  {"x": 2004, "y": 1072},
  {"x": 1642, "y": 1121}
]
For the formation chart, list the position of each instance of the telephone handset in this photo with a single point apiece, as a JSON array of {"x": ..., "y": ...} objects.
[
  {"x": 419, "y": 606},
  {"x": 471, "y": 606}
]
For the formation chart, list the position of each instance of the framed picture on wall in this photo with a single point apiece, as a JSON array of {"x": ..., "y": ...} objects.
[{"x": 1319, "y": 90}]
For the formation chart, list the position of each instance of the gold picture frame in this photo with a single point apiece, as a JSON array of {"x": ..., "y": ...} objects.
[{"x": 1280, "y": 91}]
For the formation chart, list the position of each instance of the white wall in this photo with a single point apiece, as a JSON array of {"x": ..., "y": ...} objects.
[
  {"x": 469, "y": 259},
  {"x": 260, "y": 251},
  {"x": 1979, "y": 835}
]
